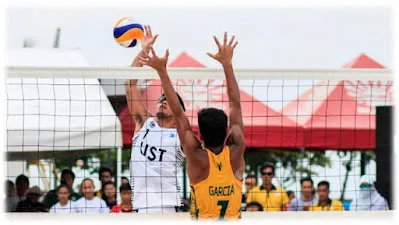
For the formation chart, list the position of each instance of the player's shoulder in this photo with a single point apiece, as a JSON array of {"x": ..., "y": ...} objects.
[{"x": 150, "y": 122}]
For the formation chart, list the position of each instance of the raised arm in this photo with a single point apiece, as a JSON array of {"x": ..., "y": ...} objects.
[
  {"x": 188, "y": 140},
  {"x": 133, "y": 95},
  {"x": 224, "y": 56}
]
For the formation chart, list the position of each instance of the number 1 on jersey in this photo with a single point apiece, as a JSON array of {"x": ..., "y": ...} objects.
[
  {"x": 224, "y": 205},
  {"x": 145, "y": 135}
]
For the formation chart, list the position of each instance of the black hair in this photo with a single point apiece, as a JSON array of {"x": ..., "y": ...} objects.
[
  {"x": 86, "y": 179},
  {"x": 321, "y": 183},
  {"x": 9, "y": 183},
  {"x": 250, "y": 176},
  {"x": 63, "y": 186},
  {"x": 265, "y": 166},
  {"x": 289, "y": 193},
  {"x": 125, "y": 187},
  {"x": 257, "y": 204},
  {"x": 20, "y": 179},
  {"x": 109, "y": 182},
  {"x": 306, "y": 179},
  {"x": 212, "y": 124},
  {"x": 105, "y": 169},
  {"x": 124, "y": 178},
  {"x": 163, "y": 97},
  {"x": 68, "y": 171}
]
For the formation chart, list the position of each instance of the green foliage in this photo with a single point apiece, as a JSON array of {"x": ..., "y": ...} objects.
[
  {"x": 107, "y": 158},
  {"x": 290, "y": 161},
  {"x": 347, "y": 159}
]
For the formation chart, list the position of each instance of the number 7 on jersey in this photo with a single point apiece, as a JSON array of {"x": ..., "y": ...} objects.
[{"x": 224, "y": 205}]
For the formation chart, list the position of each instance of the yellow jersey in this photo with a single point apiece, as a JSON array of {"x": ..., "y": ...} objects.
[
  {"x": 218, "y": 197},
  {"x": 333, "y": 205},
  {"x": 272, "y": 200}
]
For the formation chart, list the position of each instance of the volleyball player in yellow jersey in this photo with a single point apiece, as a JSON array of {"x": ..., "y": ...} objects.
[{"x": 216, "y": 169}]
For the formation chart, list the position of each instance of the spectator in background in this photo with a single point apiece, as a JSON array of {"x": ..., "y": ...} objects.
[
  {"x": 64, "y": 205},
  {"x": 368, "y": 198},
  {"x": 31, "y": 203},
  {"x": 67, "y": 178},
  {"x": 22, "y": 183},
  {"x": 325, "y": 203},
  {"x": 272, "y": 198},
  {"x": 307, "y": 198},
  {"x": 110, "y": 194},
  {"x": 291, "y": 195},
  {"x": 126, "y": 204},
  {"x": 254, "y": 207},
  {"x": 11, "y": 196},
  {"x": 105, "y": 174},
  {"x": 124, "y": 180},
  {"x": 250, "y": 182},
  {"x": 90, "y": 203}
]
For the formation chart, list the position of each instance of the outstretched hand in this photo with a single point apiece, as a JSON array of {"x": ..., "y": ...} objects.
[
  {"x": 225, "y": 51},
  {"x": 148, "y": 39},
  {"x": 154, "y": 61}
]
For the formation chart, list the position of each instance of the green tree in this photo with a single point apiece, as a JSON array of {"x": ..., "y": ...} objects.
[
  {"x": 107, "y": 158},
  {"x": 290, "y": 161},
  {"x": 347, "y": 158}
]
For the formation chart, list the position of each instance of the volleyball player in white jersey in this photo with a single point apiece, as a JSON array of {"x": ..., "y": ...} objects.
[{"x": 156, "y": 151}]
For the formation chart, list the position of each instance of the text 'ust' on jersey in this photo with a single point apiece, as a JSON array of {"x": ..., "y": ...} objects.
[
  {"x": 218, "y": 196},
  {"x": 155, "y": 160}
]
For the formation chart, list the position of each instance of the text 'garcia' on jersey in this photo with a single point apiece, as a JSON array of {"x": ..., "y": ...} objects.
[{"x": 221, "y": 191}]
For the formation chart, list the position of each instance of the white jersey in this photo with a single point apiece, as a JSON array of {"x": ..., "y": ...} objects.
[{"x": 155, "y": 161}]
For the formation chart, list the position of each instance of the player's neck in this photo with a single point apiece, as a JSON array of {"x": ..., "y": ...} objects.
[
  {"x": 215, "y": 150},
  {"x": 165, "y": 122}
]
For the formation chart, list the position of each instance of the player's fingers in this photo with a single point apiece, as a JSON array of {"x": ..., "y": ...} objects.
[
  {"x": 145, "y": 30},
  {"x": 235, "y": 44},
  {"x": 144, "y": 59},
  {"x": 154, "y": 39},
  {"x": 145, "y": 54},
  {"x": 225, "y": 39},
  {"x": 231, "y": 40},
  {"x": 217, "y": 41},
  {"x": 153, "y": 52},
  {"x": 143, "y": 62},
  {"x": 149, "y": 30},
  {"x": 211, "y": 55},
  {"x": 167, "y": 54}
]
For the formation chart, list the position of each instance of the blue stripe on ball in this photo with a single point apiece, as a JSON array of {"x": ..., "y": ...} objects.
[
  {"x": 121, "y": 30},
  {"x": 134, "y": 43}
]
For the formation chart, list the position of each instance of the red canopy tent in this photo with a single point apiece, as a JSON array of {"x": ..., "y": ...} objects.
[
  {"x": 341, "y": 114},
  {"x": 264, "y": 127}
]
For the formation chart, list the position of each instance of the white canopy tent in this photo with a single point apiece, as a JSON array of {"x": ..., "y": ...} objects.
[{"x": 58, "y": 116}]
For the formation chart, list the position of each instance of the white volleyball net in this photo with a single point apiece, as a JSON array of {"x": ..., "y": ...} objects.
[{"x": 320, "y": 124}]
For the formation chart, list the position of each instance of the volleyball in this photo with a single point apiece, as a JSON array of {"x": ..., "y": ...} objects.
[{"x": 128, "y": 32}]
